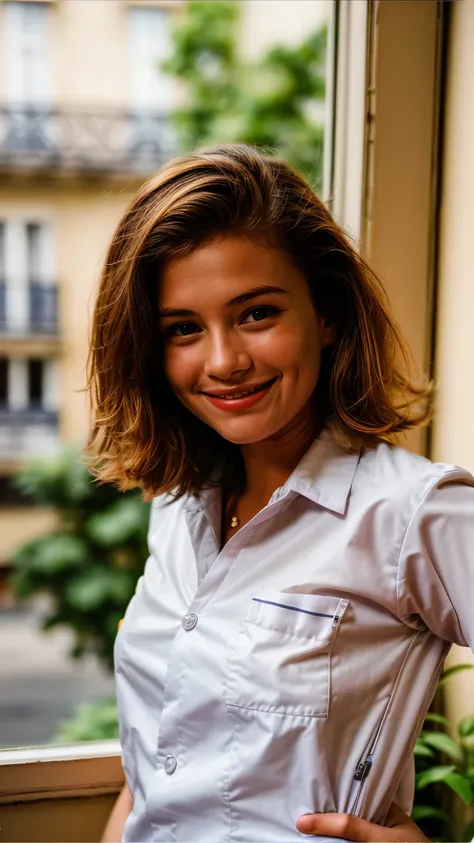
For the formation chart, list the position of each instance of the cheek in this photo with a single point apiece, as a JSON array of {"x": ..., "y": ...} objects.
[
  {"x": 178, "y": 368},
  {"x": 297, "y": 351}
]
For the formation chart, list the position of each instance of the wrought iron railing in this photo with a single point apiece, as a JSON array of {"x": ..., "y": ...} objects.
[
  {"x": 32, "y": 309},
  {"x": 51, "y": 139},
  {"x": 30, "y": 416},
  {"x": 26, "y": 433}
]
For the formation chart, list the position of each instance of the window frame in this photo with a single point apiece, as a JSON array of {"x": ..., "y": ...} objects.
[
  {"x": 36, "y": 774},
  {"x": 63, "y": 771}
]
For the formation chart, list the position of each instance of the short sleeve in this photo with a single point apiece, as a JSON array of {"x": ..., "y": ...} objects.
[{"x": 436, "y": 566}]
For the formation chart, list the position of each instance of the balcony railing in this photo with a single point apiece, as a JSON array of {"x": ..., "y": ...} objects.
[
  {"x": 30, "y": 310},
  {"x": 85, "y": 141},
  {"x": 27, "y": 433}
]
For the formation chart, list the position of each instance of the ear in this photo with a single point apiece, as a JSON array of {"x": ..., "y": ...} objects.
[{"x": 328, "y": 334}]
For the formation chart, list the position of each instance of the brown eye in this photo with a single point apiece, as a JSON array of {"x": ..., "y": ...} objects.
[
  {"x": 258, "y": 314},
  {"x": 182, "y": 329}
]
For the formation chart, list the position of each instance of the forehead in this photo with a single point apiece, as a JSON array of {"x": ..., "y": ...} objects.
[{"x": 227, "y": 266}]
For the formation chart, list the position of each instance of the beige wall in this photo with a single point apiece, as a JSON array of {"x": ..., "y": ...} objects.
[
  {"x": 398, "y": 193},
  {"x": 24, "y": 524},
  {"x": 454, "y": 428},
  {"x": 86, "y": 221},
  {"x": 454, "y": 425},
  {"x": 84, "y": 218},
  {"x": 266, "y": 23},
  {"x": 91, "y": 72},
  {"x": 56, "y": 820},
  {"x": 88, "y": 69}
]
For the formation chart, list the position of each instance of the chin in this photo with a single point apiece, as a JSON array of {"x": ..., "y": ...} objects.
[{"x": 246, "y": 437}]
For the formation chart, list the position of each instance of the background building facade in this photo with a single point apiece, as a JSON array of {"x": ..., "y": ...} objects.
[{"x": 84, "y": 119}]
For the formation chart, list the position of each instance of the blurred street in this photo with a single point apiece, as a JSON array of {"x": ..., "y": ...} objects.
[{"x": 39, "y": 684}]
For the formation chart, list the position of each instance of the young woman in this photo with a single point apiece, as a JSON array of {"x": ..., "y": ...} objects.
[{"x": 306, "y": 577}]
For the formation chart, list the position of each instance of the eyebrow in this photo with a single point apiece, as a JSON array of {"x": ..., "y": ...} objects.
[{"x": 256, "y": 292}]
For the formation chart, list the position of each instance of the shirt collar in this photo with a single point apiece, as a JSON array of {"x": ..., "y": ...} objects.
[{"x": 324, "y": 475}]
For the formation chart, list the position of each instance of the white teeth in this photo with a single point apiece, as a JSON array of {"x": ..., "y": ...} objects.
[
  {"x": 242, "y": 394},
  {"x": 236, "y": 395}
]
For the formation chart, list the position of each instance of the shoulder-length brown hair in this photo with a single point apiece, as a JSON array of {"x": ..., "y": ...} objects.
[{"x": 141, "y": 434}]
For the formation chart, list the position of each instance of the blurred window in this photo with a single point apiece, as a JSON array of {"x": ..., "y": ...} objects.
[
  {"x": 28, "y": 292},
  {"x": 150, "y": 44},
  {"x": 33, "y": 248},
  {"x": 27, "y": 53},
  {"x": 2, "y": 251},
  {"x": 35, "y": 383},
  {"x": 3, "y": 381}
]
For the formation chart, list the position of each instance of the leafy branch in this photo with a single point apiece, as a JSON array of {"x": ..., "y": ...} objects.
[{"x": 277, "y": 103}]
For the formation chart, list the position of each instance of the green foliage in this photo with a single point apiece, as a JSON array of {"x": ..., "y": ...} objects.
[
  {"x": 90, "y": 565},
  {"x": 438, "y": 782},
  {"x": 271, "y": 104},
  {"x": 90, "y": 722}
]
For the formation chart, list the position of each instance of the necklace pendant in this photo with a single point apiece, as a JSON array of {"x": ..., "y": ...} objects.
[{"x": 234, "y": 522}]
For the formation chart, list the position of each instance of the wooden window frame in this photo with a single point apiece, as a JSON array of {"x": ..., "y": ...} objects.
[
  {"x": 358, "y": 185},
  {"x": 55, "y": 772}
]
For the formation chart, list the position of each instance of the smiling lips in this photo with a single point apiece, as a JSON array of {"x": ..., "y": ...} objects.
[{"x": 240, "y": 399}]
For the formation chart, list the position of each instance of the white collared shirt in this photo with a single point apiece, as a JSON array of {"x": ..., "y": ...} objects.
[{"x": 291, "y": 672}]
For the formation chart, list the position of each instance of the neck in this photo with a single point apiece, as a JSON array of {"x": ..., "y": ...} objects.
[{"x": 268, "y": 464}]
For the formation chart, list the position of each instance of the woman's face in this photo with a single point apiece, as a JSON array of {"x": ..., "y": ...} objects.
[{"x": 242, "y": 340}]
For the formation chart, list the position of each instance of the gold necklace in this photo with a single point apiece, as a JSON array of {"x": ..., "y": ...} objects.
[{"x": 234, "y": 519}]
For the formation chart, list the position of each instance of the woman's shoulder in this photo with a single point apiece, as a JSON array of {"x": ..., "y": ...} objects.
[
  {"x": 402, "y": 473},
  {"x": 167, "y": 505},
  {"x": 167, "y": 521},
  {"x": 170, "y": 507}
]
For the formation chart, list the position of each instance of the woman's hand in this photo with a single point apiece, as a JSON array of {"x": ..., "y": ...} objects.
[{"x": 399, "y": 827}]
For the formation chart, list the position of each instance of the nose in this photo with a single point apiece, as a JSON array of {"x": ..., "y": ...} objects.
[{"x": 225, "y": 356}]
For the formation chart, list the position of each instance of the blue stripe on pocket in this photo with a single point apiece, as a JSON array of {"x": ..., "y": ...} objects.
[{"x": 294, "y": 608}]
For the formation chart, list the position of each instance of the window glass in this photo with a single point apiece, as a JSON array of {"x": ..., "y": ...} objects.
[
  {"x": 150, "y": 43},
  {"x": 2, "y": 250},
  {"x": 27, "y": 54},
  {"x": 35, "y": 383},
  {"x": 33, "y": 234},
  {"x": 97, "y": 96},
  {"x": 3, "y": 382}
]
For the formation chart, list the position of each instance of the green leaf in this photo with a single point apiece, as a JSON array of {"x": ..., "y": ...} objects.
[
  {"x": 443, "y": 743},
  {"x": 422, "y": 751},
  {"x": 423, "y": 812},
  {"x": 432, "y": 775},
  {"x": 437, "y": 718},
  {"x": 122, "y": 522},
  {"x": 468, "y": 832},
  {"x": 23, "y": 584},
  {"x": 52, "y": 554},
  {"x": 466, "y": 726},
  {"x": 450, "y": 671},
  {"x": 90, "y": 722},
  {"x": 274, "y": 103},
  {"x": 461, "y": 785},
  {"x": 96, "y": 586},
  {"x": 60, "y": 481},
  {"x": 88, "y": 583}
]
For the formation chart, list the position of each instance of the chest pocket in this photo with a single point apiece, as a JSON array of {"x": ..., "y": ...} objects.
[{"x": 281, "y": 659}]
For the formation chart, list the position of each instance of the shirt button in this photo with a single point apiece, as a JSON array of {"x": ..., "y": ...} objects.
[
  {"x": 170, "y": 765},
  {"x": 189, "y": 621}
]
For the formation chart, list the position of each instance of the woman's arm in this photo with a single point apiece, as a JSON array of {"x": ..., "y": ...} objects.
[{"x": 122, "y": 808}]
